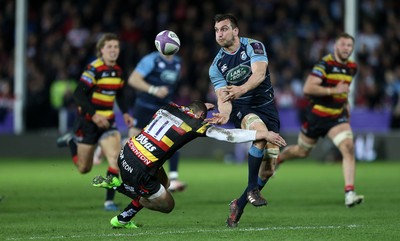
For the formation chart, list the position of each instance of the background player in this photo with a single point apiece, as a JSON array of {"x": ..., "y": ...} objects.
[
  {"x": 156, "y": 78},
  {"x": 100, "y": 85},
  {"x": 327, "y": 88}
]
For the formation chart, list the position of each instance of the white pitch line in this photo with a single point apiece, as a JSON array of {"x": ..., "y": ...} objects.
[{"x": 191, "y": 231}]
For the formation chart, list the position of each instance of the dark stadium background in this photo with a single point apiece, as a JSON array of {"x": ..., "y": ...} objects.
[{"x": 61, "y": 36}]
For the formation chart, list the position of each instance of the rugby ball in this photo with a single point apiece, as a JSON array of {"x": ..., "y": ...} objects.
[{"x": 167, "y": 42}]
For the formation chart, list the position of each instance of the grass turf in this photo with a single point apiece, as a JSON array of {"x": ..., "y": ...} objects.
[{"x": 50, "y": 200}]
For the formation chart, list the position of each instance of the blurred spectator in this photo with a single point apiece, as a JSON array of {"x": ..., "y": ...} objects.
[
  {"x": 296, "y": 34},
  {"x": 6, "y": 99},
  {"x": 393, "y": 81}
]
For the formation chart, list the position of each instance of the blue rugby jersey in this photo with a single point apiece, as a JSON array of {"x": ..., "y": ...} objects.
[
  {"x": 235, "y": 69},
  {"x": 158, "y": 71}
]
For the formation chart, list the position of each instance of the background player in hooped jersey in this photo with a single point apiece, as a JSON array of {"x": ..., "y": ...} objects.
[
  {"x": 100, "y": 85},
  {"x": 142, "y": 158},
  {"x": 156, "y": 78},
  {"x": 327, "y": 89},
  {"x": 245, "y": 95}
]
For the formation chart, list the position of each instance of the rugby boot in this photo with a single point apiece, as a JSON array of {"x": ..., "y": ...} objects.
[
  {"x": 234, "y": 214},
  {"x": 351, "y": 199},
  {"x": 120, "y": 224},
  {"x": 108, "y": 182},
  {"x": 176, "y": 186},
  {"x": 254, "y": 197},
  {"x": 63, "y": 141}
]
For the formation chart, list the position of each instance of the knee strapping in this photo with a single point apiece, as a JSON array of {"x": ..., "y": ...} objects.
[
  {"x": 252, "y": 118},
  {"x": 305, "y": 145},
  {"x": 341, "y": 137},
  {"x": 272, "y": 153}
]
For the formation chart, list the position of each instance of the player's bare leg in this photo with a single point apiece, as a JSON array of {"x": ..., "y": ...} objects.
[
  {"x": 342, "y": 137},
  {"x": 111, "y": 146}
]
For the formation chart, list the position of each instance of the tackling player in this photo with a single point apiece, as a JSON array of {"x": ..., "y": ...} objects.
[{"x": 141, "y": 159}]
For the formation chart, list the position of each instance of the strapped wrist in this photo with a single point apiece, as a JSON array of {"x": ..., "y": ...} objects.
[{"x": 153, "y": 89}]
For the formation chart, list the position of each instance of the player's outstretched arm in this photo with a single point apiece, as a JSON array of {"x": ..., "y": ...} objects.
[{"x": 239, "y": 135}]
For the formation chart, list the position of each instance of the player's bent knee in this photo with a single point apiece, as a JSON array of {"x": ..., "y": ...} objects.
[
  {"x": 304, "y": 148},
  {"x": 162, "y": 200},
  {"x": 251, "y": 119},
  {"x": 272, "y": 152},
  {"x": 339, "y": 138}
]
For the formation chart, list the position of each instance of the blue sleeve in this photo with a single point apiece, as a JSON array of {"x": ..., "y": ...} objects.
[
  {"x": 216, "y": 77},
  {"x": 256, "y": 51},
  {"x": 146, "y": 64}
]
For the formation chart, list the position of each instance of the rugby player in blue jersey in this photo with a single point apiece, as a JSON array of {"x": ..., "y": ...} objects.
[
  {"x": 156, "y": 78},
  {"x": 242, "y": 84},
  {"x": 141, "y": 159}
]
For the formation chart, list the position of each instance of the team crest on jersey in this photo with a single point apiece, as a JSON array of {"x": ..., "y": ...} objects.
[
  {"x": 238, "y": 74},
  {"x": 161, "y": 65},
  {"x": 243, "y": 55}
]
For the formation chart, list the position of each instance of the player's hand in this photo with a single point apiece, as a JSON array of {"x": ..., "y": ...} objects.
[
  {"x": 101, "y": 121},
  {"x": 341, "y": 88},
  {"x": 275, "y": 138},
  {"x": 233, "y": 92},
  {"x": 129, "y": 120},
  {"x": 161, "y": 92},
  {"x": 209, "y": 106},
  {"x": 218, "y": 119}
]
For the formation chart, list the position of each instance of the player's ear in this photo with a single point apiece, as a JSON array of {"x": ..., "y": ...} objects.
[{"x": 236, "y": 31}]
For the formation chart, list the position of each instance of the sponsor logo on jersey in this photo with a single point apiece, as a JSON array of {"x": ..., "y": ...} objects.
[
  {"x": 138, "y": 154},
  {"x": 109, "y": 92},
  {"x": 144, "y": 141},
  {"x": 169, "y": 76},
  {"x": 126, "y": 166},
  {"x": 238, "y": 74}
]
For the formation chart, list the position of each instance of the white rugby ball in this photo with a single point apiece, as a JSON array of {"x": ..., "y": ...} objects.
[{"x": 167, "y": 42}]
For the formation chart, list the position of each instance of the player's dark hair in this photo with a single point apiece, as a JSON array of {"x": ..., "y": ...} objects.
[
  {"x": 345, "y": 35},
  {"x": 229, "y": 16},
  {"x": 102, "y": 41},
  {"x": 198, "y": 106}
]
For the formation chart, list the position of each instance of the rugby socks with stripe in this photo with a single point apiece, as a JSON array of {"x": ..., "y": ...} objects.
[
  {"x": 130, "y": 211},
  {"x": 349, "y": 188}
]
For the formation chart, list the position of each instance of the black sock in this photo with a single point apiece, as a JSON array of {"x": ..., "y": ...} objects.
[
  {"x": 130, "y": 211},
  {"x": 73, "y": 147},
  {"x": 110, "y": 193}
]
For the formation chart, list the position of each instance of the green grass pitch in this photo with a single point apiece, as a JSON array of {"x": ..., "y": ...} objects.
[{"x": 50, "y": 200}]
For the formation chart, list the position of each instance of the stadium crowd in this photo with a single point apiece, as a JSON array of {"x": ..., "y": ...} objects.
[{"x": 61, "y": 39}]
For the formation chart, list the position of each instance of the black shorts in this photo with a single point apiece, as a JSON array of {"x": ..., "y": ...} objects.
[
  {"x": 142, "y": 116},
  {"x": 315, "y": 126},
  {"x": 135, "y": 175},
  {"x": 268, "y": 114},
  {"x": 87, "y": 131}
]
